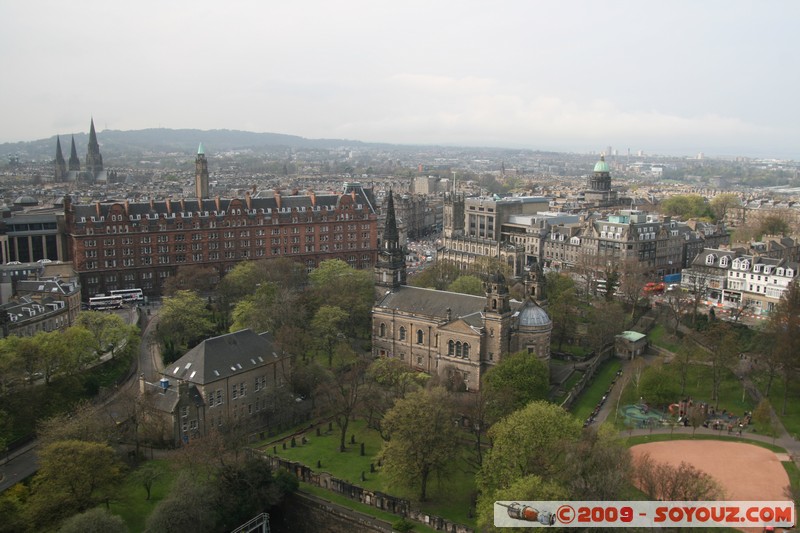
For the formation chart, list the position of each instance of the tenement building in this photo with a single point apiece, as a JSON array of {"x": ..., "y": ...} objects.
[
  {"x": 122, "y": 244},
  {"x": 455, "y": 336}
]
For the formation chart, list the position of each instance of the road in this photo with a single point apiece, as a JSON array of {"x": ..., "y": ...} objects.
[{"x": 23, "y": 462}]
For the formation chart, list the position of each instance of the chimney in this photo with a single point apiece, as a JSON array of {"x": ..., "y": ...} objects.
[
  {"x": 253, "y": 192},
  {"x": 247, "y": 200},
  {"x": 313, "y": 198},
  {"x": 152, "y": 203},
  {"x": 183, "y": 206},
  {"x": 449, "y": 314},
  {"x": 127, "y": 208},
  {"x": 277, "y": 194},
  {"x": 216, "y": 202},
  {"x": 169, "y": 206},
  {"x": 200, "y": 205},
  {"x": 97, "y": 209}
]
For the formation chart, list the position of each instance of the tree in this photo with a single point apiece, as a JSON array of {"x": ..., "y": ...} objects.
[
  {"x": 146, "y": 475},
  {"x": 784, "y": 328},
  {"x": 597, "y": 466},
  {"x": 606, "y": 321},
  {"x": 196, "y": 278},
  {"x": 437, "y": 276},
  {"x": 189, "y": 507},
  {"x": 351, "y": 289},
  {"x": 421, "y": 438},
  {"x": 674, "y": 483},
  {"x": 658, "y": 385},
  {"x": 467, "y": 285},
  {"x": 723, "y": 347},
  {"x": 183, "y": 322},
  {"x": 108, "y": 330},
  {"x": 327, "y": 325},
  {"x": 389, "y": 380},
  {"x": 686, "y": 206},
  {"x": 530, "y": 488},
  {"x": 72, "y": 476},
  {"x": 688, "y": 352},
  {"x": 517, "y": 380},
  {"x": 722, "y": 203},
  {"x": 269, "y": 308},
  {"x": 97, "y": 520},
  {"x": 633, "y": 277},
  {"x": 774, "y": 225},
  {"x": 343, "y": 390},
  {"x": 563, "y": 301},
  {"x": 86, "y": 422},
  {"x": 529, "y": 442}
]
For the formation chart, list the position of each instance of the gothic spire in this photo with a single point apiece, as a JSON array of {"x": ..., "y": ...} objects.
[
  {"x": 74, "y": 162},
  {"x": 94, "y": 160},
  {"x": 390, "y": 229},
  {"x": 61, "y": 164}
]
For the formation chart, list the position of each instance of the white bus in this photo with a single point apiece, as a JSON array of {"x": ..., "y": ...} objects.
[
  {"x": 98, "y": 303},
  {"x": 129, "y": 295}
]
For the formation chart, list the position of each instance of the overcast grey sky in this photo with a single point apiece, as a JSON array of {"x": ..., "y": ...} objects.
[{"x": 680, "y": 77}]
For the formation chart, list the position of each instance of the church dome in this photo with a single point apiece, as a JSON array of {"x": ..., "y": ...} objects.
[
  {"x": 26, "y": 201},
  {"x": 532, "y": 315},
  {"x": 601, "y": 166}
]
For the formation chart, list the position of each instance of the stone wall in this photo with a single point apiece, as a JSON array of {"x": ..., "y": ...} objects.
[
  {"x": 304, "y": 513},
  {"x": 379, "y": 500}
]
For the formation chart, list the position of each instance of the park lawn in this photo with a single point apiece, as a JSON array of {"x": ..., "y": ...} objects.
[
  {"x": 449, "y": 499},
  {"x": 130, "y": 503},
  {"x": 661, "y": 437},
  {"x": 592, "y": 394},
  {"x": 698, "y": 387},
  {"x": 573, "y": 349},
  {"x": 790, "y": 420},
  {"x": 661, "y": 338}
]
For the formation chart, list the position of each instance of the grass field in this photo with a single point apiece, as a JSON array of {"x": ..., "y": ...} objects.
[
  {"x": 661, "y": 437},
  {"x": 450, "y": 498},
  {"x": 130, "y": 502},
  {"x": 790, "y": 420},
  {"x": 661, "y": 338},
  {"x": 592, "y": 394}
]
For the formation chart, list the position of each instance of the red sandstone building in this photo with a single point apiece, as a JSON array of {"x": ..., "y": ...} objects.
[{"x": 121, "y": 245}]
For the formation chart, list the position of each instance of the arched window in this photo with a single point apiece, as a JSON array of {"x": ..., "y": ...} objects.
[
  {"x": 494, "y": 304},
  {"x": 723, "y": 261},
  {"x": 382, "y": 330},
  {"x": 419, "y": 336},
  {"x": 402, "y": 333},
  {"x": 458, "y": 349},
  {"x": 451, "y": 348},
  {"x": 466, "y": 350}
]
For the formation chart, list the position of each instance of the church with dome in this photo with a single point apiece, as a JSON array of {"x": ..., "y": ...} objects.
[
  {"x": 599, "y": 192},
  {"x": 455, "y": 336}
]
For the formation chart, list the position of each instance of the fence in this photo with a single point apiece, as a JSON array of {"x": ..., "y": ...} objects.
[{"x": 379, "y": 500}]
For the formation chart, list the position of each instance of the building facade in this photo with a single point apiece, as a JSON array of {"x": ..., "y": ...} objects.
[{"x": 121, "y": 245}]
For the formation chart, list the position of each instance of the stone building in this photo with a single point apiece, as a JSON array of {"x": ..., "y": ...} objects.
[
  {"x": 222, "y": 381},
  {"x": 456, "y": 336},
  {"x": 122, "y": 244}
]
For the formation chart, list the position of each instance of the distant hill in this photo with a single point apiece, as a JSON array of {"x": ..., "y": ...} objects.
[{"x": 164, "y": 140}]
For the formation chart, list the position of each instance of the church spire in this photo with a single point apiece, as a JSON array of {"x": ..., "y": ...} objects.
[
  {"x": 94, "y": 161},
  {"x": 390, "y": 270},
  {"x": 390, "y": 230},
  {"x": 74, "y": 162},
  {"x": 61, "y": 164}
]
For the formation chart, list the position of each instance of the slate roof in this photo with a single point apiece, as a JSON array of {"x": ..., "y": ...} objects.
[{"x": 224, "y": 356}]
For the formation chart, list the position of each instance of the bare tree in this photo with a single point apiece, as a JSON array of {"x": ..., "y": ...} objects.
[{"x": 671, "y": 483}]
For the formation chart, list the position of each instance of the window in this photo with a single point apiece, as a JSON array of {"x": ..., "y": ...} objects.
[
  {"x": 465, "y": 350},
  {"x": 420, "y": 336},
  {"x": 402, "y": 333},
  {"x": 451, "y": 348},
  {"x": 458, "y": 349},
  {"x": 382, "y": 330},
  {"x": 234, "y": 392}
]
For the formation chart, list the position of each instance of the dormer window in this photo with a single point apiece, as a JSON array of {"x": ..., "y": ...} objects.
[
  {"x": 789, "y": 273},
  {"x": 745, "y": 265},
  {"x": 710, "y": 258},
  {"x": 779, "y": 271},
  {"x": 757, "y": 268},
  {"x": 723, "y": 261}
]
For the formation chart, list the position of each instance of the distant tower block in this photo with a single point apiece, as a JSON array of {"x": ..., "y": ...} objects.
[{"x": 201, "y": 174}]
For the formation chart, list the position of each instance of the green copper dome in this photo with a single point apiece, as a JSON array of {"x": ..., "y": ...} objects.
[
  {"x": 201, "y": 150},
  {"x": 601, "y": 166}
]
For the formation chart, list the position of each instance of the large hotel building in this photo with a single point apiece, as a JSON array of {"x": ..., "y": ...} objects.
[{"x": 120, "y": 245}]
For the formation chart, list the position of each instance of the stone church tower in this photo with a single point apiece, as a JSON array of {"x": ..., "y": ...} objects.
[
  {"x": 497, "y": 318},
  {"x": 390, "y": 269},
  {"x": 453, "y": 214},
  {"x": 201, "y": 174},
  {"x": 94, "y": 161}
]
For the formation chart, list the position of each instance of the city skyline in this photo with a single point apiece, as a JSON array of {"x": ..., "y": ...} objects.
[{"x": 676, "y": 79}]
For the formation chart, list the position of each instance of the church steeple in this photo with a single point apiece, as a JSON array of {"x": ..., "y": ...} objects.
[
  {"x": 61, "y": 164},
  {"x": 74, "y": 162},
  {"x": 94, "y": 161},
  {"x": 390, "y": 270}
]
